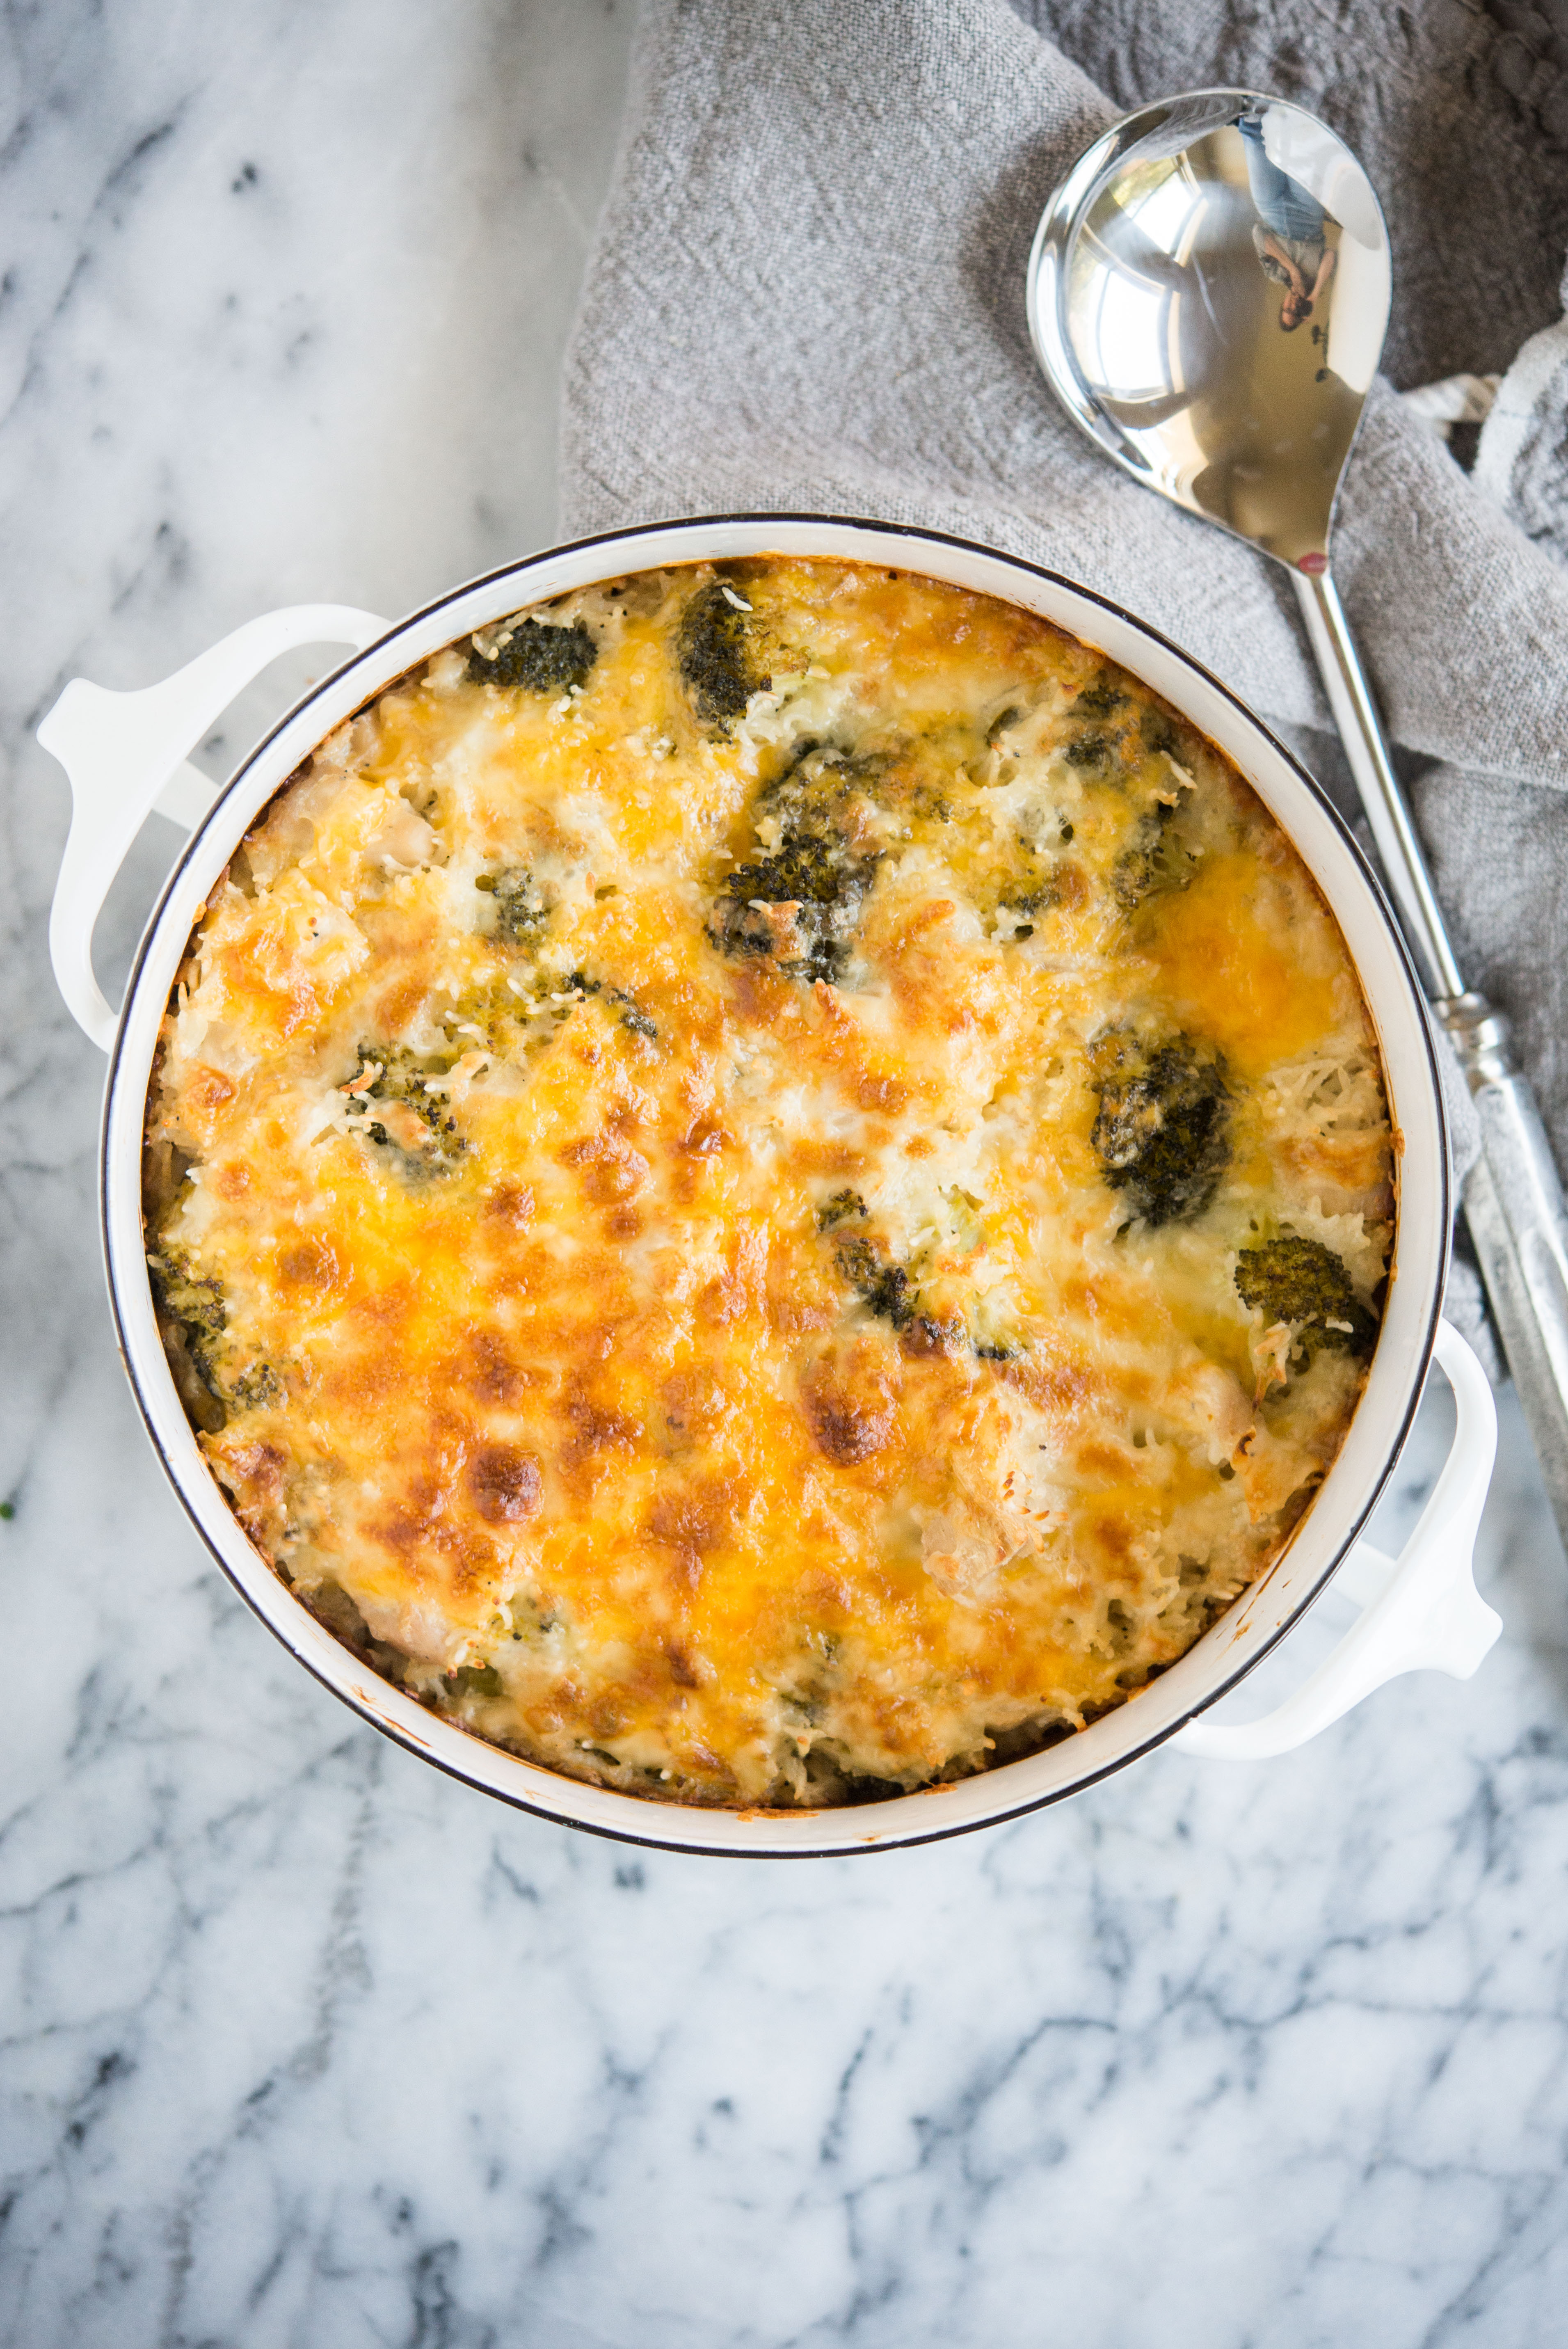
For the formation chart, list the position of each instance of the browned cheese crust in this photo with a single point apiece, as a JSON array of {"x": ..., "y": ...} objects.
[{"x": 768, "y": 1187}]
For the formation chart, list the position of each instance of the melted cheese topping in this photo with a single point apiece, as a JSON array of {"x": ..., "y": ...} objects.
[{"x": 700, "y": 1174}]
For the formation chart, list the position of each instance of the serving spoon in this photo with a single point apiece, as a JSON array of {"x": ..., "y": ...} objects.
[{"x": 1208, "y": 295}]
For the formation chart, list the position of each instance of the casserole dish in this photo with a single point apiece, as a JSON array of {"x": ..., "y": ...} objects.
[{"x": 121, "y": 750}]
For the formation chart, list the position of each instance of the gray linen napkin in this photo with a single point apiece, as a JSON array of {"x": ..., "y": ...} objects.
[{"x": 807, "y": 293}]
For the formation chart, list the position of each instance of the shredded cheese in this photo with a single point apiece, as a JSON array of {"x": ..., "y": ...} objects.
[{"x": 678, "y": 1275}]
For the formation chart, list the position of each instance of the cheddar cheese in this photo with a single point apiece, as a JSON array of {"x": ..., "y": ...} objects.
[{"x": 768, "y": 1186}]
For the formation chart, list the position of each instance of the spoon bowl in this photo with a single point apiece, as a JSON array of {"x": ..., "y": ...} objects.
[{"x": 1208, "y": 294}]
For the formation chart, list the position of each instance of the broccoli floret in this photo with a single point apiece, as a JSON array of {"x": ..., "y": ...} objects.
[
  {"x": 1099, "y": 699},
  {"x": 811, "y": 872},
  {"x": 537, "y": 657},
  {"x": 800, "y": 901},
  {"x": 1033, "y": 885},
  {"x": 1303, "y": 1283},
  {"x": 1097, "y": 746},
  {"x": 196, "y": 1310},
  {"x": 716, "y": 656},
  {"x": 839, "y": 1209},
  {"x": 884, "y": 1287},
  {"x": 194, "y": 1302},
  {"x": 400, "y": 1077},
  {"x": 806, "y": 868},
  {"x": 256, "y": 1387},
  {"x": 1093, "y": 750},
  {"x": 474, "y": 1679},
  {"x": 521, "y": 912},
  {"x": 633, "y": 1018},
  {"x": 1158, "y": 859},
  {"x": 1161, "y": 1133}
]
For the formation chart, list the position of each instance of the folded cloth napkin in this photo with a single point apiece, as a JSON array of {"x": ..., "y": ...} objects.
[{"x": 807, "y": 293}]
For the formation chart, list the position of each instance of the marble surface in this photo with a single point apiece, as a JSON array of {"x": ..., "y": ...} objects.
[{"x": 301, "y": 2045}]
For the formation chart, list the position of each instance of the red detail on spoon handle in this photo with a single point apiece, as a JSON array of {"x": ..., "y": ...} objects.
[{"x": 1312, "y": 564}]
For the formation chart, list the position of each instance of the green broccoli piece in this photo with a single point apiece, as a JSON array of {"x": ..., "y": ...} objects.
[
  {"x": 884, "y": 1287},
  {"x": 1303, "y": 1283},
  {"x": 195, "y": 1309},
  {"x": 1158, "y": 859},
  {"x": 193, "y": 1320},
  {"x": 257, "y": 1387},
  {"x": 191, "y": 1298},
  {"x": 1092, "y": 750},
  {"x": 634, "y": 1018},
  {"x": 520, "y": 911},
  {"x": 195, "y": 1304},
  {"x": 1032, "y": 886},
  {"x": 812, "y": 869},
  {"x": 716, "y": 656},
  {"x": 537, "y": 657},
  {"x": 474, "y": 1679},
  {"x": 1099, "y": 699},
  {"x": 839, "y": 1209},
  {"x": 1162, "y": 1132},
  {"x": 400, "y": 1077}
]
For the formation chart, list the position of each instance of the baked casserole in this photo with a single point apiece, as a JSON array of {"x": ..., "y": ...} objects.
[{"x": 768, "y": 1186}]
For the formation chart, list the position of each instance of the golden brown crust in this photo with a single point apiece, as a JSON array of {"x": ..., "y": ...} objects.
[{"x": 656, "y": 1196}]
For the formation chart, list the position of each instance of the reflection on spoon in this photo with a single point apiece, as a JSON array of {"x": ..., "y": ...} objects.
[{"x": 1174, "y": 274}]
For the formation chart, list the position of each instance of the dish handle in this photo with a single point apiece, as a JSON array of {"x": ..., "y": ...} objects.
[
  {"x": 1421, "y": 1611},
  {"x": 128, "y": 753}
]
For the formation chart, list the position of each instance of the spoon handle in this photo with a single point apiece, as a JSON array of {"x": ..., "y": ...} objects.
[
  {"x": 1366, "y": 746},
  {"x": 1513, "y": 1199}
]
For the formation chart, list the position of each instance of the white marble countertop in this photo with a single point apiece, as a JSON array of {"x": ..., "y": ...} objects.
[{"x": 301, "y": 2044}]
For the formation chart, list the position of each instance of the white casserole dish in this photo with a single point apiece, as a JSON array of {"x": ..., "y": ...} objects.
[{"x": 124, "y": 753}]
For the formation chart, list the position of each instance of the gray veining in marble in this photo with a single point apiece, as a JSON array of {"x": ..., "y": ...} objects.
[{"x": 302, "y": 2047}]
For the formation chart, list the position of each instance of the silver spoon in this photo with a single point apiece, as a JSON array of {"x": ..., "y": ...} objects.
[{"x": 1208, "y": 295}]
